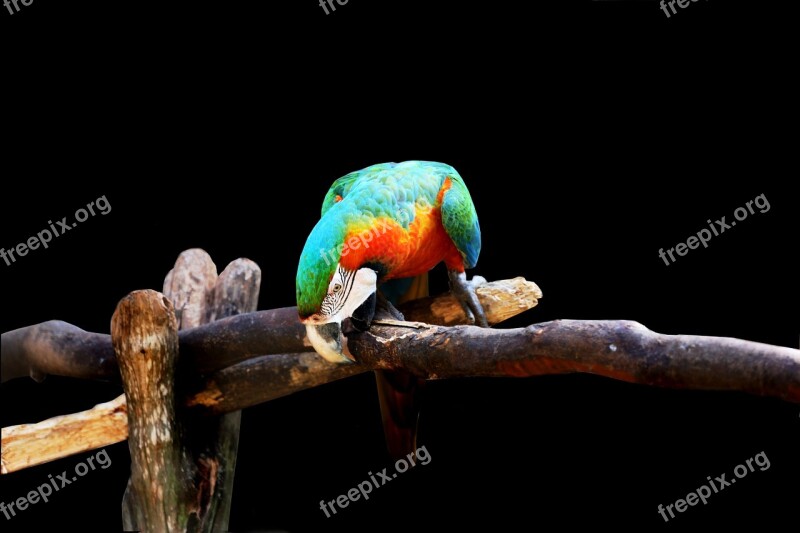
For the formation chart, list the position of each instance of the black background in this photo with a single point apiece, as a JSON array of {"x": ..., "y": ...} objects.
[{"x": 589, "y": 137}]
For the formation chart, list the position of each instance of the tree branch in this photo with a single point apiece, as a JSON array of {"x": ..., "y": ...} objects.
[
  {"x": 234, "y": 340},
  {"x": 34, "y": 444},
  {"x": 145, "y": 336},
  {"x": 208, "y": 445},
  {"x": 621, "y": 350},
  {"x": 61, "y": 349}
]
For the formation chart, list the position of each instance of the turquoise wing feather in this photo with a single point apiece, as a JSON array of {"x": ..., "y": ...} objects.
[
  {"x": 340, "y": 188},
  {"x": 460, "y": 220}
]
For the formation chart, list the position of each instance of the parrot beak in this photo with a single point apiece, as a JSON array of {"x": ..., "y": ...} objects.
[{"x": 327, "y": 342}]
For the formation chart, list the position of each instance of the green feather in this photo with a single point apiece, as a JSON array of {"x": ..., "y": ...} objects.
[
  {"x": 460, "y": 221},
  {"x": 383, "y": 190}
]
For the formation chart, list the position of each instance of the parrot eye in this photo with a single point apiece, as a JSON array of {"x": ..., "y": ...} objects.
[{"x": 336, "y": 287}]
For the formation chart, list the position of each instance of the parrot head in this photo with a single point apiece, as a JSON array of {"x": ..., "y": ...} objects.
[
  {"x": 328, "y": 294},
  {"x": 347, "y": 294}
]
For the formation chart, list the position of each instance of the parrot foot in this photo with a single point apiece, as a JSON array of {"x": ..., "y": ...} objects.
[
  {"x": 376, "y": 308},
  {"x": 362, "y": 317},
  {"x": 386, "y": 309},
  {"x": 464, "y": 291}
]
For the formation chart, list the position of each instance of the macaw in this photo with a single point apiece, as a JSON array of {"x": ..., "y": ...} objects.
[{"x": 386, "y": 226}]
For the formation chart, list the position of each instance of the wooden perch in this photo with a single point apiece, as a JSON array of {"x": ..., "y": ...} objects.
[
  {"x": 33, "y": 444},
  {"x": 237, "y": 338},
  {"x": 498, "y": 299},
  {"x": 618, "y": 349},
  {"x": 36, "y": 351},
  {"x": 188, "y": 285},
  {"x": 203, "y": 478},
  {"x": 145, "y": 337},
  {"x": 61, "y": 349},
  {"x": 622, "y": 350}
]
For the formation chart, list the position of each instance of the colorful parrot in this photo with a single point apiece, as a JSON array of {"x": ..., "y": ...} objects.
[{"x": 386, "y": 225}]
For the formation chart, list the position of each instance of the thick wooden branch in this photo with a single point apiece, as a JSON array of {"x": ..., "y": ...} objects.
[
  {"x": 208, "y": 444},
  {"x": 239, "y": 337},
  {"x": 145, "y": 337},
  {"x": 61, "y": 349},
  {"x": 618, "y": 349},
  {"x": 33, "y": 444},
  {"x": 497, "y": 298},
  {"x": 265, "y": 378},
  {"x": 56, "y": 348},
  {"x": 188, "y": 286},
  {"x": 622, "y": 350}
]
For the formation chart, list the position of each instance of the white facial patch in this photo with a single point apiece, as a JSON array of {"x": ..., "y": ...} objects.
[{"x": 346, "y": 292}]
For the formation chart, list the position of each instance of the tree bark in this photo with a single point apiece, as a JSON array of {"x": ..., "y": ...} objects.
[
  {"x": 242, "y": 336},
  {"x": 33, "y": 444},
  {"x": 208, "y": 444},
  {"x": 495, "y": 297},
  {"x": 622, "y": 350},
  {"x": 215, "y": 441},
  {"x": 61, "y": 349},
  {"x": 145, "y": 338},
  {"x": 617, "y": 349}
]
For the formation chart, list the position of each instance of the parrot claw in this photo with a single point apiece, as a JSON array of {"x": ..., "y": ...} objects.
[
  {"x": 464, "y": 291},
  {"x": 385, "y": 307}
]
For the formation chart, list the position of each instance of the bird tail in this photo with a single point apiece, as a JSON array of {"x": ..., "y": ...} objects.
[
  {"x": 417, "y": 289},
  {"x": 399, "y": 391}
]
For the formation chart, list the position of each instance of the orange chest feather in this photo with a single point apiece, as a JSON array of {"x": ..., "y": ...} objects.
[{"x": 404, "y": 252}]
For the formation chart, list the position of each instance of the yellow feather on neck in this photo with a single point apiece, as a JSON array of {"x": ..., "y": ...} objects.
[{"x": 418, "y": 289}]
